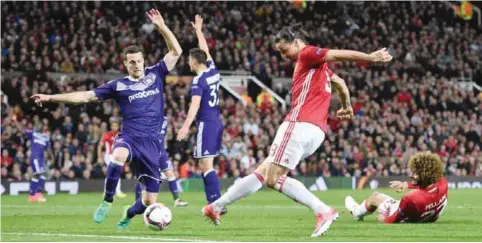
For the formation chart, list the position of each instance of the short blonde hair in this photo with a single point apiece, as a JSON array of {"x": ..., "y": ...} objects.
[{"x": 428, "y": 166}]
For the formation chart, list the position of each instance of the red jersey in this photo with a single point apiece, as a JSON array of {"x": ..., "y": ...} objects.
[
  {"x": 108, "y": 140},
  {"x": 422, "y": 204},
  {"x": 311, "y": 91}
]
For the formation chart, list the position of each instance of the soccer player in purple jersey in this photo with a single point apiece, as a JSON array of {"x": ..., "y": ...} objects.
[
  {"x": 205, "y": 109},
  {"x": 166, "y": 167},
  {"x": 39, "y": 143},
  {"x": 140, "y": 97}
]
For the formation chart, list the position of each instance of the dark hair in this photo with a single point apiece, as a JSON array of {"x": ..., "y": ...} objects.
[
  {"x": 428, "y": 167},
  {"x": 199, "y": 55},
  {"x": 290, "y": 33},
  {"x": 131, "y": 50}
]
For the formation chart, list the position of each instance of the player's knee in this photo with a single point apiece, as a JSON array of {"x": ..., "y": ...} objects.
[
  {"x": 119, "y": 155},
  {"x": 273, "y": 175},
  {"x": 206, "y": 164},
  {"x": 150, "y": 198}
]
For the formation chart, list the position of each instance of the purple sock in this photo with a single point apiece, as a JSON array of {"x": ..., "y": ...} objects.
[
  {"x": 137, "y": 208},
  {"x": 41, "y": 183},
  {"x": 33, "y": 186},
  {"x": 173, "y": 188},
  {"x": 138, "y": 190},
  {"x": 211, "y": 186},
  {"x": 113, "y": 175}
]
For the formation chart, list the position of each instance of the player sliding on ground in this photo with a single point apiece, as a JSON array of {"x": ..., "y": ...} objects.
[
  {"x": 141, "y": 101},
  {"x": 166, "y": 167},
  {"x": 205, "y": 109},
  {"x": 304, "y": 128},
  {"x": 424, "y": 204}
]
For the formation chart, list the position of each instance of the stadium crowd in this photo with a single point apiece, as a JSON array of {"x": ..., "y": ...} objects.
[{"x": 416, "y": 103}]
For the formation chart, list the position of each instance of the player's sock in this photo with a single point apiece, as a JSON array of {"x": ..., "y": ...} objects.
[
  {"x": 138, "y": 191},
  {"x": 211, "y": 185},
  {"x": 33, "y": 186},
  {"x": 242, "y": 188},
  {"x": 41, "y": 184},
  {"x": 364, "y": 209},
  {"x": 137, "y": 208},
  {"x": 113, "y": 174},
  {"x": 173, "y": 187},
  {"x": 298, "y": 192}
]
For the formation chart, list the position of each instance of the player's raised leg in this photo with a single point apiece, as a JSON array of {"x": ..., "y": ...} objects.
[
  {"x": 367, "y": 206},
  {"x": 119, "y": 156}
]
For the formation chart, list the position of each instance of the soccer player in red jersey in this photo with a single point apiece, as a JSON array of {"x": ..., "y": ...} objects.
[
  {"x": 106, "y": 142},
  {"x": 304, "y": 128},
  {"x": 424, "y": 204}
]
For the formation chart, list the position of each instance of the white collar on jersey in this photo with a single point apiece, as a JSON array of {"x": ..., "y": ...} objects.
[{"x": 134, "y": 79}]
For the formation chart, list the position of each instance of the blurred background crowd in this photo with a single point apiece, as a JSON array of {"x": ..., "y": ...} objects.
[{"x": 418, "y": 102}]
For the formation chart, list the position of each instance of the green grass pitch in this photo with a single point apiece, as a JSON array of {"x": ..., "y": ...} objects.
[{"x": 265, "y": 216}]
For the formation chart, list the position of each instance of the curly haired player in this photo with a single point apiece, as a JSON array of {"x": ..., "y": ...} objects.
[{"x": 424, "y": 204}]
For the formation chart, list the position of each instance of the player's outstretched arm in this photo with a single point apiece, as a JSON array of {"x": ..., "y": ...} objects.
[
  {"x": 73, "y": 98},
  {"x": 381, "y": 55},
  {"x": 346, "y": 112},
  {"x": 198, "y": 27},
  {"x": 175, "y": 51},
  {"x": 99, "y": 150},
  {"x": 191, "y": 114}
]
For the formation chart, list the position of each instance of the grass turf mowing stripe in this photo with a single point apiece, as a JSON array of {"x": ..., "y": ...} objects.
[{"x": 121, "y": 237}]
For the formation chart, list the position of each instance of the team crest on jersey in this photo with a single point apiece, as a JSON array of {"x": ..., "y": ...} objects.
[{"x": 150, "y": 78}]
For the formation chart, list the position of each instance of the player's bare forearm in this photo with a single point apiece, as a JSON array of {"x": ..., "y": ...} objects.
[
  {"x": 342, "y": 90},
  {"x": 171, "y": 41},
  {"x": 193, "y": 109},
  {"x": 381, "y": 55},
  {"x": 203, "y": 45},
  {"x": 99, "y": 150},
  {"x": 347, "y": 55},
  {"x": 72, "y": 98}
]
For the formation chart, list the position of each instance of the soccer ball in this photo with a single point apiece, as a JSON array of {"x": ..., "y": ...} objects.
[{"x": 157, "y": 216}]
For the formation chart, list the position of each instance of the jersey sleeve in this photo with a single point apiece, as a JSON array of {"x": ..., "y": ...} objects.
[
  {"x": 106, "y": 91},
  {"x": 160, "y": 67},
  {"x": 330, "y": 73},
  {"x": 210, "y": 64},
  {"x": 104, "y": 138},
  {"x": 411, "y": 186},
  {"x": 404, "y": 209},
  {"x": 29, "y": 133},
  {"x": 313, "y": 55},
  {"x": 196, "y": 87}
]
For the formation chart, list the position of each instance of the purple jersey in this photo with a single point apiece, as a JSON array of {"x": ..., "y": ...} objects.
[
  {"x": 141, "y": 101},
  {"x": 206, "y": 85},
  {"x": 39, "y": 143}
]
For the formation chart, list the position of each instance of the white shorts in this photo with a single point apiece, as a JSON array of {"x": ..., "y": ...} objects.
[
  {"x": 295, "y": 141},
  {"x": 388, "y": 207}
]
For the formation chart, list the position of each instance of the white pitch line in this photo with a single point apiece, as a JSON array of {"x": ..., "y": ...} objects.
[{"x": 123, "y": 237}]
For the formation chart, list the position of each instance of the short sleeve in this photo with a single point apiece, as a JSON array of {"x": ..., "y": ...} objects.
[
  {"x": 106, "y": 91},
  {"x": 404, "y": 209},
  {"x": 210, "y": 64},
  {"x": 196, "y": 87},
  {"x": 330, "y": 72},
  {"x": 160, "y": 67},
  {"x": 29, "y": 133},
  {"x": 312, "y": 55}
]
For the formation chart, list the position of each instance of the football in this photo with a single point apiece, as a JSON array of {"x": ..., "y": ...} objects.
[{"x": 157, "y": 216}]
